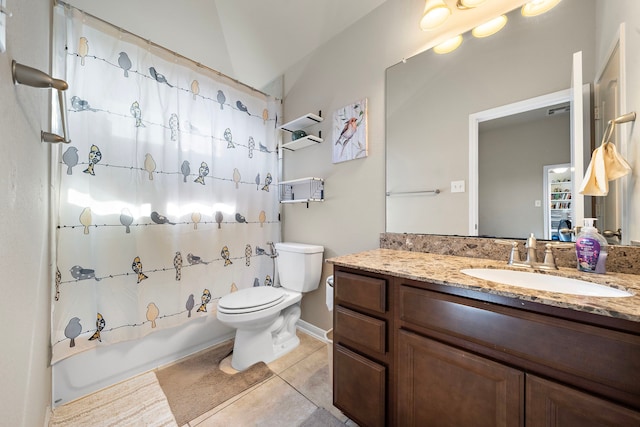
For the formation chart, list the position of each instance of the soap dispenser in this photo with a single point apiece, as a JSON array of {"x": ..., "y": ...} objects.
[{"x": 591, "y": 249}]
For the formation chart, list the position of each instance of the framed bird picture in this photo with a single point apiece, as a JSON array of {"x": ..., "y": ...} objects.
[{"x": 350, "y": 132}]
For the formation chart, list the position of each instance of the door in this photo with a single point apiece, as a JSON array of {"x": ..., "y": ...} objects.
[{"x": 608, "y": 210}]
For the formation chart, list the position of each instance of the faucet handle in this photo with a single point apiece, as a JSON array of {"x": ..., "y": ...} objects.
[
  {"x": 549, "y": 262},
  {"x": 514, "y": 255},
  {"x": 531, "y": 241}
]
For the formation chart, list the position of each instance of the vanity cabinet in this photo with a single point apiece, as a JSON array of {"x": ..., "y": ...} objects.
[
  {"x": 474, "y": 363},
  {"x": 414, "y": 353},
  {"x": 363, "y": 343}
]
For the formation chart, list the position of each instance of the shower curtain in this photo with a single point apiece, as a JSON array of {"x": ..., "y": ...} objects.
[{"x": 167, "y": 191}]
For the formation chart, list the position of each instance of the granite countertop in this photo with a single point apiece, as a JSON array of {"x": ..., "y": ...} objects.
[{"x": 445, "y": 270}]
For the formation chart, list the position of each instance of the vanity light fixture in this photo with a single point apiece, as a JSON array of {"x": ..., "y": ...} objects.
[
  {"x": 490, "y": 28},
  {"x": 449, "y": 45},
  {"x": 435, "y": 13},
  {"x": 468, "y": 4},
  {"x": 538, "y": 7}
]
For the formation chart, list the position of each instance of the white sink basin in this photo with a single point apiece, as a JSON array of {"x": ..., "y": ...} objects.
[{"x": 545, "y": 282}]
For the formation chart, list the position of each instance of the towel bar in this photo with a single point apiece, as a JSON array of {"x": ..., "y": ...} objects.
[
  {"x": 398, "y": 193},
  {"x": 629, "y": 117}
]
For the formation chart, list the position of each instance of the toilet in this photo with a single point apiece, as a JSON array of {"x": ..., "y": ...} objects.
[{"x": 264, "y": 316}]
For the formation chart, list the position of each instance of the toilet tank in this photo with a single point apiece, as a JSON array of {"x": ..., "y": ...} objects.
[{"x": 299, "y": 266}]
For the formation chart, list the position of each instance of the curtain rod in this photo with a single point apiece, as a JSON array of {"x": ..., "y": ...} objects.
[{"x": 156, "y": 45}]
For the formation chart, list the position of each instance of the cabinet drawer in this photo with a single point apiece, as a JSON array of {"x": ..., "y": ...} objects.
[
  {"x": 361, "y": 291},
  {"x": 359, "y": 387},
  {"x": 359, "y": 329}
]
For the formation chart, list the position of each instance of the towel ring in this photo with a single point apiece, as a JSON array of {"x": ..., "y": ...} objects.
[{"x": 629, "y": 117}]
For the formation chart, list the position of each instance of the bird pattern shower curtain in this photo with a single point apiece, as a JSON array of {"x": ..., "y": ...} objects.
[{"x": 167, "y": 190}]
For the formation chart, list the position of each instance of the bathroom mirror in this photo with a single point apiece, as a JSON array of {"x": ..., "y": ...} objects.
[{"x": 429, "y": 101}]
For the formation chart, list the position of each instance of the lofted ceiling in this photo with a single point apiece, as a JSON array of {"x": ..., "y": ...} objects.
[
  {"x": 255, "y": 41},
  {"x": 266, "y": 37}
]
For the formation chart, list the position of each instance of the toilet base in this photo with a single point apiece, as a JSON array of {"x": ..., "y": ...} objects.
[{"x": 266, "y": 344}]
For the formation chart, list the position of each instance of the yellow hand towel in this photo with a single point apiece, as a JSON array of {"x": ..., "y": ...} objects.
[
  {"x": 606, "y": 165},
  {"x": 595, "y": 182},
  {"x": 614, "y": 164}
]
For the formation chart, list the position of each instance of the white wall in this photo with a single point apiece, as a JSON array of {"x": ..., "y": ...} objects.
[{"x": 24, "y": 252}]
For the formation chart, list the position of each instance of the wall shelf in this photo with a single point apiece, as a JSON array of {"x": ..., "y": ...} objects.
[
  {"x": 302, "y": 143},
  {"x": 302, "y": 190},
  {"x": 299, "y": 124}
]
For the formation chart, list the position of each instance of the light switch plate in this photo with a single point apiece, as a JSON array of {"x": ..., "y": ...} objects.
[
  {"x": 3, "y": 25},
  {"x": 457, "y": 186}
]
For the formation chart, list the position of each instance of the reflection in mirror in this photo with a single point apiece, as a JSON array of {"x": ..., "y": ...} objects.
[
  {"x": 557, "y": 202},
  {"x": 430, "y": 98},
  {"x": 510, "y": 189}
]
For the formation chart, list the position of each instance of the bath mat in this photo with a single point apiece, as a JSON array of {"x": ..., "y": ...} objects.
[
  {"x": 321, "y": 418},
  {"x": 138, "y": 401},
  {"x": 195, "y": 385}
]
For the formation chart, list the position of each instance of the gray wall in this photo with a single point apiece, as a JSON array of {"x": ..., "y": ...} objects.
[
  {"x": 24, "y": 229},
  {"x": 510, "y": 176},
  {"x": 352, "y": 66}
]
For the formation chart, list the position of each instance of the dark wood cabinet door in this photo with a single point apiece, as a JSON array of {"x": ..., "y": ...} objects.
[
  {"x": 439, "y": 385},
  {"x": 552, "y": 404},
  {"x": 359, "y": 387}
]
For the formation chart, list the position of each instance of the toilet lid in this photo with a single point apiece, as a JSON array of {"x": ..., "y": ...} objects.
[{"x": 252, "y": 298}]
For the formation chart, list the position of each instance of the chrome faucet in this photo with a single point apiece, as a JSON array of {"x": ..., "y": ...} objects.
[
  {"x": 272, "y": 249},
  {"x": 531, "y": 260},
  {"x": 515, "y": 259},
  {"x": 530, "y": 246}
]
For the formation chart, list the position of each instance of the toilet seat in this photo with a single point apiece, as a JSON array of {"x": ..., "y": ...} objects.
[{"x": 251, "y": 299}]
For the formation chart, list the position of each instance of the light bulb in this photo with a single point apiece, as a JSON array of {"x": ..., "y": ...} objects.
[
  {"x": 538, "y": 7},
  {"x": 468, "y": 4},
  {"x": 489, "y": 28},
  {"x": 449, "y": 45},
  {"x": 435, "y": 13}
]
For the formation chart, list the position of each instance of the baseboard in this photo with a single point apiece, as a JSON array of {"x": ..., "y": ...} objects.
[{"x": 312, "y": 330}]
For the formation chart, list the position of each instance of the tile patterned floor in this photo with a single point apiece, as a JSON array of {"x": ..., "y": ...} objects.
[{"x": 301, "y": 385}]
